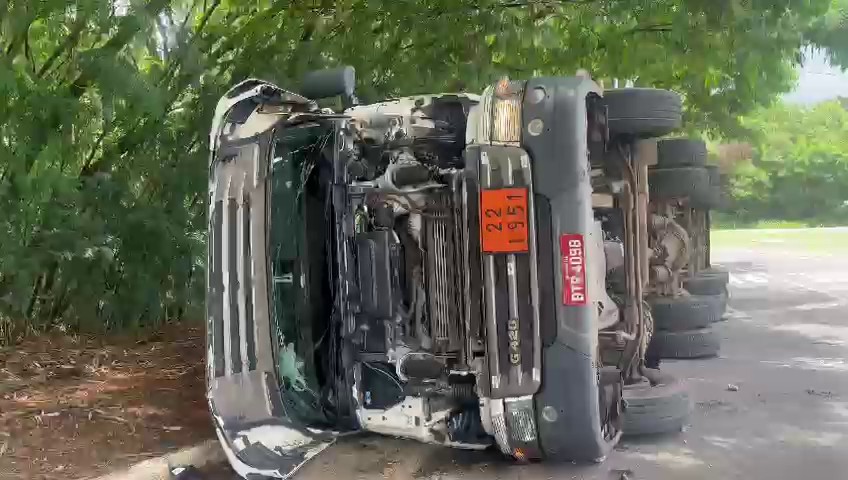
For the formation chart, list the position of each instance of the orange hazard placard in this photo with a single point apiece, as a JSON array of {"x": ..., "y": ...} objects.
[{"x": 503, "y": 220}]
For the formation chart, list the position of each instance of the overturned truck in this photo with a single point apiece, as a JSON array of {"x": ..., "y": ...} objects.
[{"x": 458, "y": 269}]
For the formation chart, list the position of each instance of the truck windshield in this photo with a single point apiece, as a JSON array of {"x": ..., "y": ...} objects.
[{"x": 299, "y": 283}]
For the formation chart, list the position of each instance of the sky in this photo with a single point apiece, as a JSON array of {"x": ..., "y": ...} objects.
[{"x": 818, "y": 81}]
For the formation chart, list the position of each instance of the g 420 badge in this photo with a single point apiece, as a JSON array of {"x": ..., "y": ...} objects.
[
  {"x": 573, "y": 269},
  {"x": 514, "y": 341}
]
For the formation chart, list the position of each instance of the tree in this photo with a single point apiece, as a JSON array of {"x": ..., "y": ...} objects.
[
  {"x": 726, "y": 57},
  {"x": 830, "y": 32},
  {"x": 800, "y": 168},
  {"x": 104, "y": 126}
]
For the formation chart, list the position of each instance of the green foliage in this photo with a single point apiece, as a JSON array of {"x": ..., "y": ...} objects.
[
  {"x": 830, "y": 32},
  {"x": 106, "y": 110},
  {"x": 103, "y": 213},
  {"x": 800, "y": 168}
]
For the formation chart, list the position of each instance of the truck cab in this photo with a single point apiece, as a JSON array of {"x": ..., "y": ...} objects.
[{"x": 458, "y": 269}]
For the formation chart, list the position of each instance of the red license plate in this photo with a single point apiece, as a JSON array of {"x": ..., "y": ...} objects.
[
  {"x": 573, "y": 269},
  {"x": 503, "y": 220}
]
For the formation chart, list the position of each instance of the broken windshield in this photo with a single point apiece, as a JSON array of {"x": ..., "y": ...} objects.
[{"x": 299, "y": 283}]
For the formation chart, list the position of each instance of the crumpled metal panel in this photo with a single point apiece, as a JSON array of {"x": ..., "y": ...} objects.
[
  {"x": 237, "y": 308},
  {"x": 258, "y": 438}
]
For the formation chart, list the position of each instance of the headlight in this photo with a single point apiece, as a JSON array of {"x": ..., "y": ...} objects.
[{"x": 506, "y": 111}]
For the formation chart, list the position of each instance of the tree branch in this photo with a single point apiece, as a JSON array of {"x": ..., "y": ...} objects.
[
  {"x": 28, "y": 52},
  {"x": 13, "y": 45},
  {"x": 90, "y": 158},
  {"x": 127, "y": 29},
  {"x": 70, "y": 42},
  {"x": 657, "y": 27},
  {"x": 204, "y": 20},
  {"x": 545, "y": 3}
]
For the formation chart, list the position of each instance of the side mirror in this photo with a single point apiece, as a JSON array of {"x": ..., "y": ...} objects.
[{"x": 339, "y": 81}]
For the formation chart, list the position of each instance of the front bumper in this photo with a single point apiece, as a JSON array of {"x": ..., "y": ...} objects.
[{"x": 554, "y": 407}]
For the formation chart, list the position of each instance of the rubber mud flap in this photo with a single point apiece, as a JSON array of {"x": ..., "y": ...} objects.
[{"x": 567, "y": 408}]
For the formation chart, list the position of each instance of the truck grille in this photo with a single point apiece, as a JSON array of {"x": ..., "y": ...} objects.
[{"x": 510, "y": 290}]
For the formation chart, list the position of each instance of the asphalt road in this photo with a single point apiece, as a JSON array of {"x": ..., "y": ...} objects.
[{"x": 785, "y": 346}]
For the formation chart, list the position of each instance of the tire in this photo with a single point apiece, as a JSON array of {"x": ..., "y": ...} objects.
[
  {"x": 653, "y": 409},
  {"x": 683, "y": 313},
  {"x": 681, "y": 152},
  {"x": 643, "y": 112},
  {"x": 715, "y": 199},
  {"x": 707, "y": 284},
  {"x": 716, "y": 271},
  {"x": 680, "y": 182},
  {"x": 713, "y": 173},
  {"x": 700, "y": 343},
  {"x": 721, "y": 301},
  {"x": 712, "y": 200}
]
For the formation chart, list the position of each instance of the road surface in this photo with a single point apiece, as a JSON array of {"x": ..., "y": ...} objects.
[{"x": 785, "y": 346}]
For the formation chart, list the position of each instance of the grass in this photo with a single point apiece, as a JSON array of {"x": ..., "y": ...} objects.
[
  {"x": 822, "y": 240},
  {"x": 770, "y": 224},
  {"x": 726, "y": 221}
]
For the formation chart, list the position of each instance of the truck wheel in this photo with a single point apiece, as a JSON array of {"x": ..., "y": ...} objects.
[
  {"x": 715, "y": 199},
  {"x": 681, "y": 152},
  {"x": 679, "y": 182},
  {"x": 714, "y": 174},
  {"x": 643, "y": 112},
  {"x": 716, "y": 272},
  {"x": 683, "y": 313},
  {"x": 702, "y": 284},
  {"x": 712, "y": 200},
  {"x": 700, "y": 343},
  {"x": 661, "y": 407},
  {"x": 721, "y": 301}
]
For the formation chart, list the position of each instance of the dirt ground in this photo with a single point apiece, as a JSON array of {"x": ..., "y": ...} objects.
[{"x": 77, "y": 407}]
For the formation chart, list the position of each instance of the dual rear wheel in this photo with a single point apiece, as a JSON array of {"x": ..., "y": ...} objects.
[
  {"x": 682, "y": 173},
  {"x": 684, "y": 323},
  {"x": 659, "y": 403}
]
